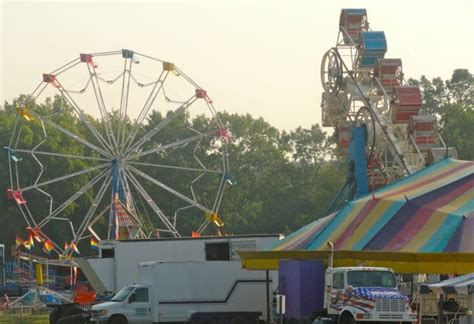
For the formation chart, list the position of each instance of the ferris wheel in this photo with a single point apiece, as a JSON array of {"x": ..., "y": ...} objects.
[
  {"x": 363, "y": 87},
  {"x": 140, "y": 125}
]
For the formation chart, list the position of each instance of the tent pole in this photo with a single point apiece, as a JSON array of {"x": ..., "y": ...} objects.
[{"x": 267, "y": 282}]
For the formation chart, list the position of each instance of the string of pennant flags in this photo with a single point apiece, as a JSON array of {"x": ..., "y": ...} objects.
[{"x": 47, "y": 244}]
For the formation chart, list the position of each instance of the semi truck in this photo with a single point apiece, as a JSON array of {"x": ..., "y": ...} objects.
[
  {"x": 342, "y": 295},
  {"x": 188, "y": 291},
  {"x": 365, "y": 294}
]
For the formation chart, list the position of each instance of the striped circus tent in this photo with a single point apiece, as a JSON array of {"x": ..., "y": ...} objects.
[{"x": 430, "y": 211}]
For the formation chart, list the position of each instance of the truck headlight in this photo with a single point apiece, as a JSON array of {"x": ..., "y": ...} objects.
[{"x": 103, "y": 312}]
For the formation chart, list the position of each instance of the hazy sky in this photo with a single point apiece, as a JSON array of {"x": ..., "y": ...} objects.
[{"x": 258, "y": 57}]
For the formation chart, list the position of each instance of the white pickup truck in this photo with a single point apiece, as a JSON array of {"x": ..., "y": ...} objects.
[{"x": 182, "y": 291}]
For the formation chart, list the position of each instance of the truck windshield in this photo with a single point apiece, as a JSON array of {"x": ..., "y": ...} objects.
[
  {"x": 122, "y": 294},
  {"x": 371, "y": 279}
]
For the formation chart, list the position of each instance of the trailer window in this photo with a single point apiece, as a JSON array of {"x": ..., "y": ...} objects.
[
  {"x": 108, "y": 253},
  {"x": 338, "y": 280},
  {"x": 217, "y": 251}
]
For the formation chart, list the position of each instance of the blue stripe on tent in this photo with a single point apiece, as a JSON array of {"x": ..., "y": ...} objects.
[
  {"x": 384, "y": 219},
  {"x": 439, "y": 240},
  {"x": 323, "y": 235},
  {"x": 465, "y": 209}
]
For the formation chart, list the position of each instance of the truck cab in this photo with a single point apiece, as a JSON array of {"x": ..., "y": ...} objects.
[
  {"x": 132, "y": 304},
  {"x": 368, "y": 294}
]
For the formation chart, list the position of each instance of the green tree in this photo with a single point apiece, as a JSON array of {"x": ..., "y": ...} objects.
[{"x": 451, "y": 101}]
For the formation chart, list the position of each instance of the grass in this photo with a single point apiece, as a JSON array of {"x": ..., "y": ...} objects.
[{"x": 24, "y": 319}]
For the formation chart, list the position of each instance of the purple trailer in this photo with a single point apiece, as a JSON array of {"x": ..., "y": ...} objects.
[{"x": 302, "y": 282}]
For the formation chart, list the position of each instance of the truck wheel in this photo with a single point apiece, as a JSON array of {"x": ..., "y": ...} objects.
[
  {"x": 71, "y": 312},
  {"x": 346, "y": 318},
  {"x": 118, "y": 319},
  {"x": 54, "y": 315}
]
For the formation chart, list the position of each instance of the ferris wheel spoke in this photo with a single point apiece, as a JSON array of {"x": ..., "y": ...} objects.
[
  {"x": 170, "y": 190},
  {"x": 95, "y": 204},
  {"x": 102, "y": 107},
  {"x": 171, "y": 145},
  {"x": 73, "y": 198},
  {"x": 165, "y": 166},
  {"x": 70, "y": 134},
  {"x": 220, "y": 194},
  {"x": 187, "y": 78},
  {"x": 149, "y": 57},
  {"x": 127, "y": 73},
  {"x": 146, "y": 107},
  {"x": 80, "y": 113},
  {"x": 152, "y": 204},
  {"x": 203, "y": 226},
  {"x": 160, "y": 125},
  {"x": 71, "y": 156},
  {"x": 119, "y": 52},
  {"x": 66, "y": 66},
  {"x": 72, "y": 175}
]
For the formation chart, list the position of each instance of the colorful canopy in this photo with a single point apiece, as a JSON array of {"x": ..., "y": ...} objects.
[{"x": 429, "y": 211}]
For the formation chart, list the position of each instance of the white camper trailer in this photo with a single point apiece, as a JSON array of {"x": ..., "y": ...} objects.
[{"x": 116, "y": 264}]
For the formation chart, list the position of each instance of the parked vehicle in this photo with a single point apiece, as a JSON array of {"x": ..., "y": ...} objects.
[
  {"x": 342, "y": 295},
  {"x": 116, "y": 263},
  {"x": 188, "y": 291},
  {"x": 365, "y": 294}
]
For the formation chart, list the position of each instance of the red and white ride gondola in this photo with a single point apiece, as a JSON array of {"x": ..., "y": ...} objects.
[{"x": 361, "y": 86}]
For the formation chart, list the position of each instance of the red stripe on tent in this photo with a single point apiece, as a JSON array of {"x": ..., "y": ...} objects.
[
  {"x": 418, "y": 184},
  {"x": 420, "y": 218}
]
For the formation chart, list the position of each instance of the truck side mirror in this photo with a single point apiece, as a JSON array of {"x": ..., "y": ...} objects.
[{"x": 132, "y": 298}]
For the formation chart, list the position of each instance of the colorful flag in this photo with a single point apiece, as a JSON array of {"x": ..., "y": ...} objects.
[
  {"x": 19, "y": 241},
  {"x": 116, "y": 227},
  {"x": 25, "y": 113},
  {"x": 67, "y": 248},
  {"x": 48, "y": 247},
  {"x": 36, "y": 233},
  {"x": 28, "y": 244},
  {"x": 73, "y": 246},
  {"x": 94, "y": 243}
]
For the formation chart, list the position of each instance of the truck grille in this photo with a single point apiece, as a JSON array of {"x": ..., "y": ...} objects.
[
  {"x": 390, "y": 316},
  {"x": 390, "y": 305}
]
